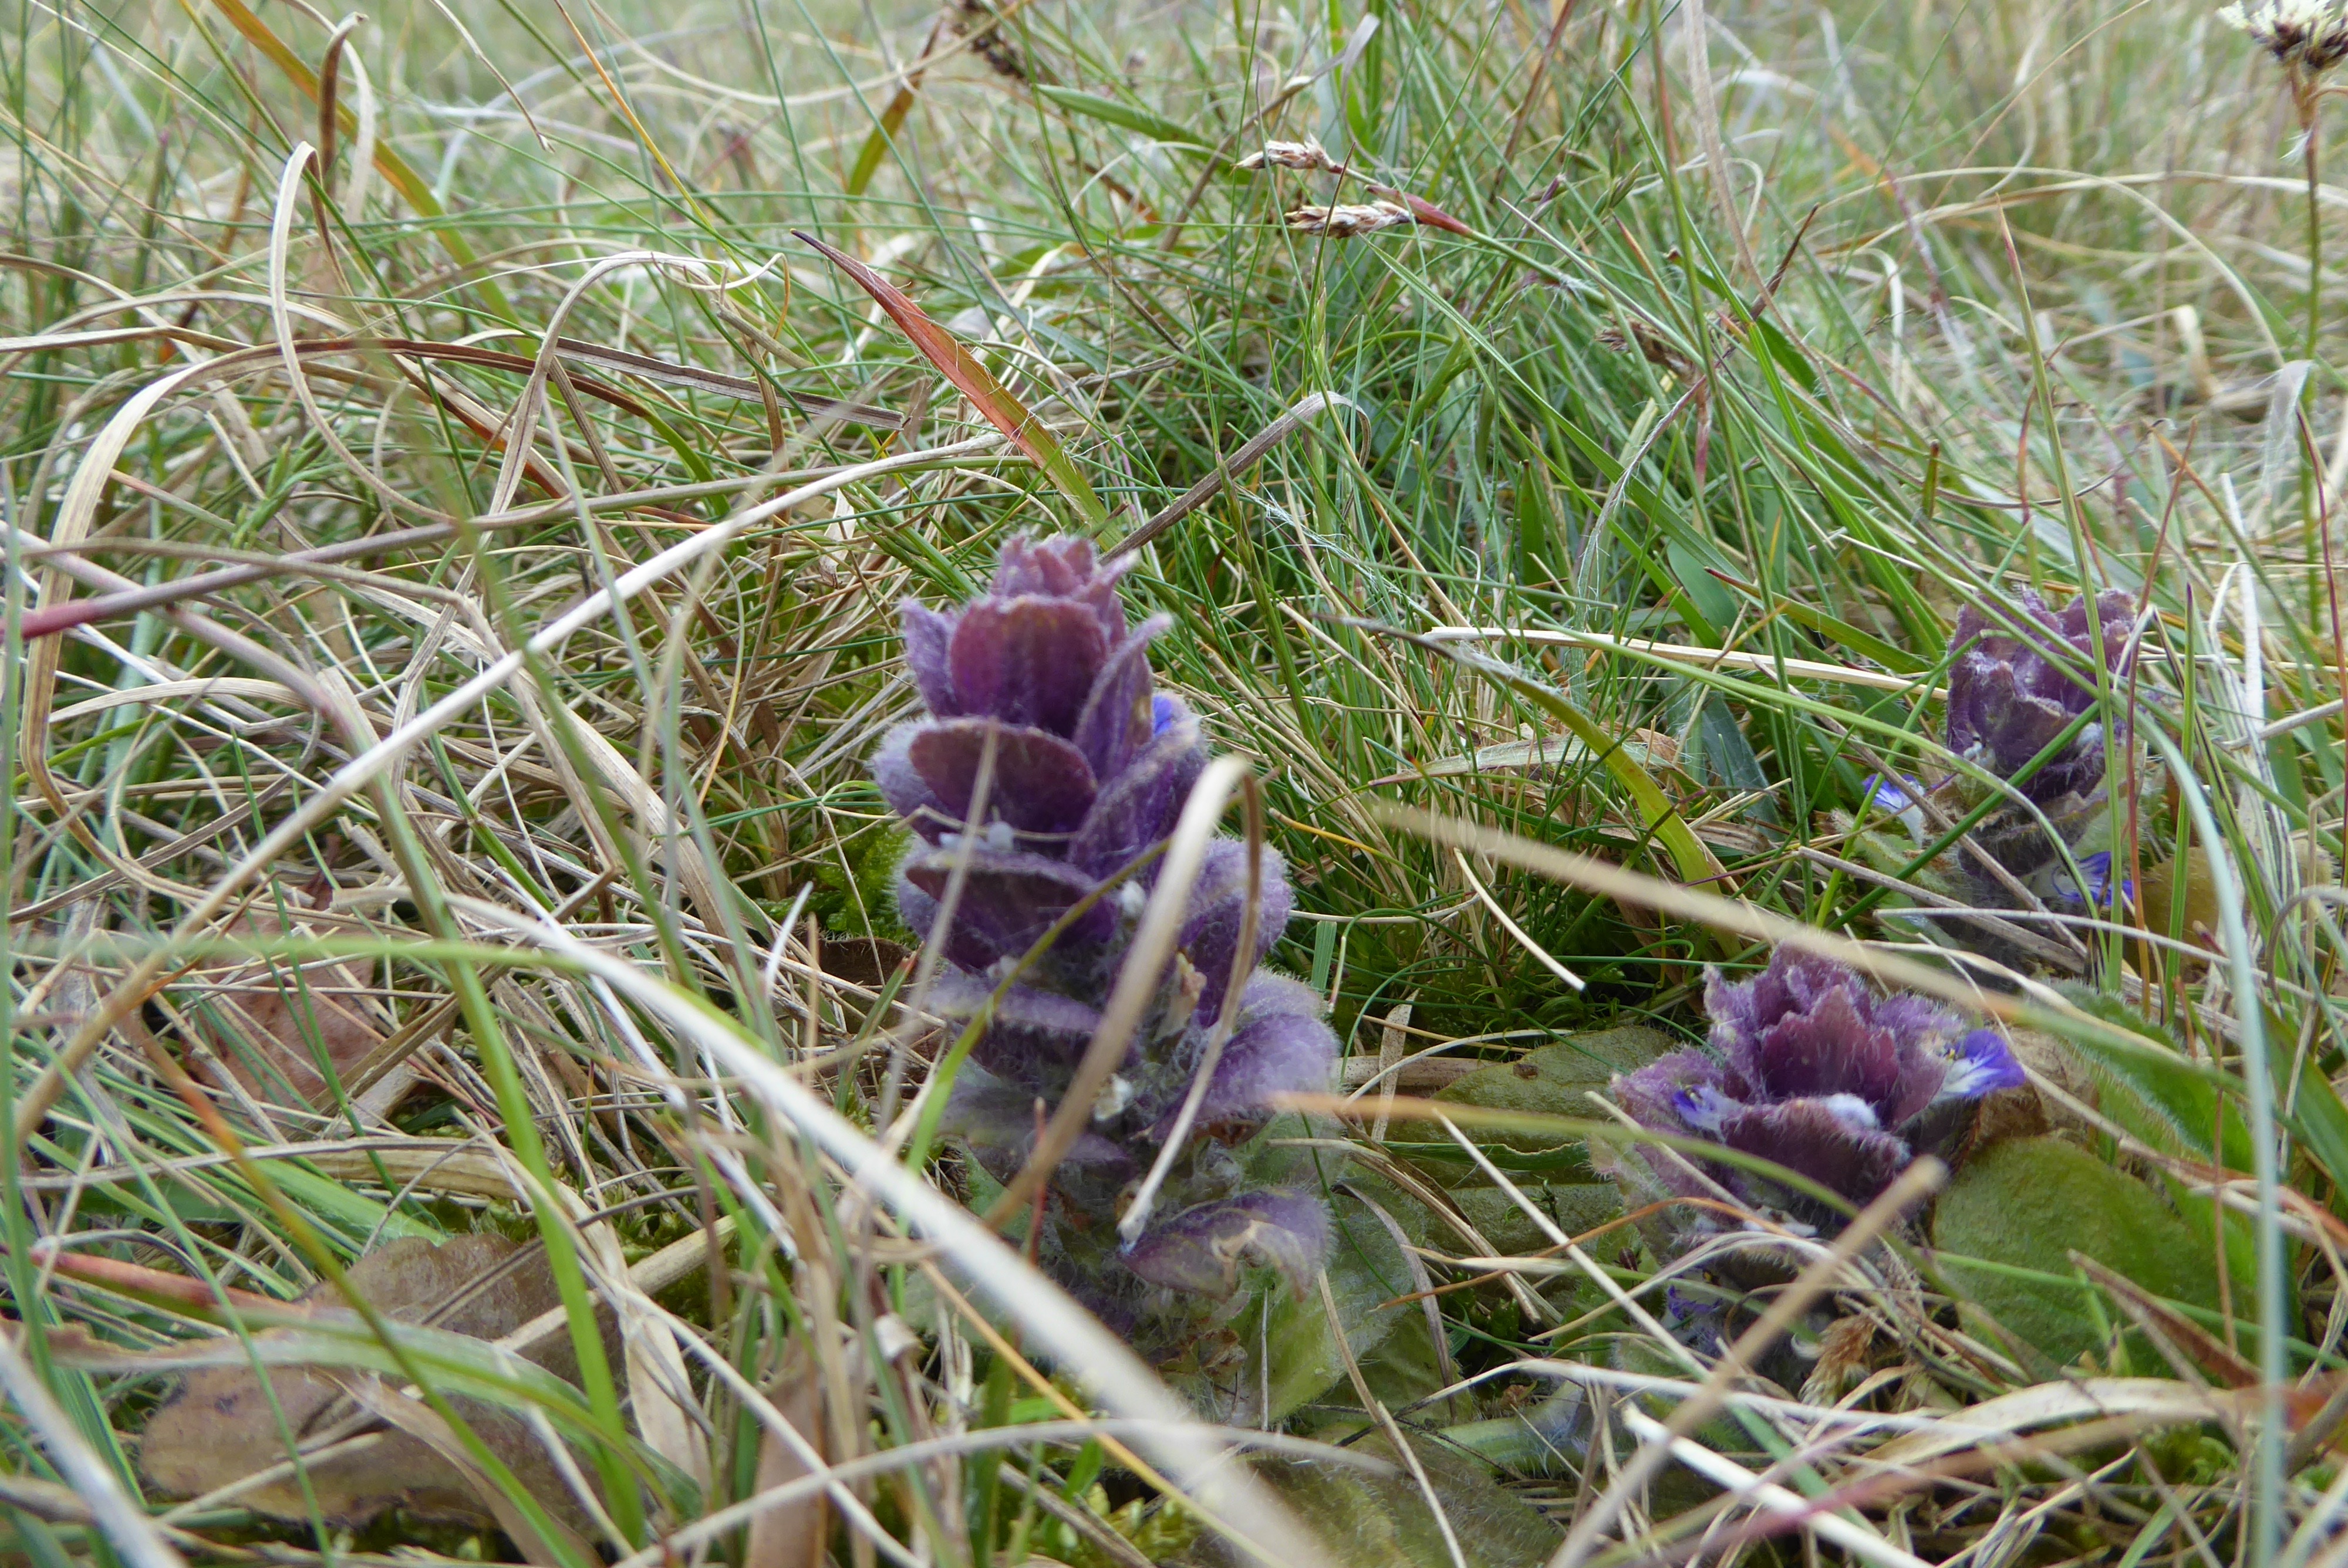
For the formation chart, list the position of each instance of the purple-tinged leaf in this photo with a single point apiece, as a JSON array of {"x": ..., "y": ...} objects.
[
  {"x": 929, "y": 651},
  {"x": 1042, "y": 783},
  {"x": 1064, "y": 567},
  {"x": 1028, "y": 661},
  {"x": 1272, "y": 1054},
  {"x": 1140, "y": 807},
  {"x": 1119, "y": 717},
  {"x": 1807, "y": 1026},
  {"x": 1010, "y": 899},
  {"x": 1210, "y": 929},
  {"x": 1822, "y": 1076},
  {"x": 904, "y": 787},
  {"x": 1660, "y": 1095},
  {"x": 1034, "y": 1038},
  {"x": 2008, "y": 701},
  {"x": 1831, "y": 1048},
  {"x": 1201, "y": 1248},
  {"x": 996, "y": 1120},
  {"x": 1835, "y": 1142}
]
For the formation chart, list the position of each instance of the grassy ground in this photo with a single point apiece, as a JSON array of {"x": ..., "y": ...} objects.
[{"x": 1882, "y": 312}]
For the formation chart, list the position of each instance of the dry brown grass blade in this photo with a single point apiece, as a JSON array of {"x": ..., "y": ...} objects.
[
  {"x": 1246, "y": 457},
  {"x": 791, "y": 1537},
  {"x": 2004, "y": 1418}
]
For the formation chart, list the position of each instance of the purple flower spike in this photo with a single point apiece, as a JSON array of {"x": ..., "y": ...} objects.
[
  {"x": 1814, "y": 1072},
  {"x": 2008, "y": 701},
  {"x": 1808, "y": 1026},
  {"x": 1834, "y": 1141},
  {"x": 1043, "y": 715}
]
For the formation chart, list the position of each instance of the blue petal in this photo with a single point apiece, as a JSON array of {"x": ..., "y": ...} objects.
[
  {"x": 1702, "y": 1107},
  {"x": 1981, "y": 1063},
  {"x": 2093, "y": 887},
  {"x": 1893, "y": 796}
]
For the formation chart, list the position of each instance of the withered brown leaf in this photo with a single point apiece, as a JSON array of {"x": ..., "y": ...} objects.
[
  {"x": 791, "y": 1536},
  {"x": 268, "y": 1021},
  {"x": 218, "y": 1427}
]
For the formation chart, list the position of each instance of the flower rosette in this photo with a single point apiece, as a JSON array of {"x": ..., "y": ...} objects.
[
  {"x": 1043, "y": 714},
  {"x": 1813, "y": 1071},
  {"x": 2013, "y": 697},
  {"x": 2022, "y": 689}
]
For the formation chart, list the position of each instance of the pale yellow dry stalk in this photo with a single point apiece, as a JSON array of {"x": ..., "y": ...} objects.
[{"x": 1346, "y": 221}]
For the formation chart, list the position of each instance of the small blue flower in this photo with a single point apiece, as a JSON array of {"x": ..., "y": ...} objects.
[
  {"x": 1702, "y": 1108},
  {"x": 1891, "y": 796},
  {"x": 1900, "y": 798},
  {"x": 2094, "y": 888},
  {"x": 1981, "y": 1063}
]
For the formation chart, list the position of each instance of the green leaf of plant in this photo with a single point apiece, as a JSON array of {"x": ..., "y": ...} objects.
[
  {"x": 1556, "y": 1079},
  {"x": 2154, "y": 1096},
  {"x": 1365, "y": 1270},
  {"x": 1127, "y": 117},
  {"x": 1372, "y": 1518},
  {"x": 1574, "y": 1207},
  {"x": 2006, "y": 1227},
  {"x": 867, "y": 157}
]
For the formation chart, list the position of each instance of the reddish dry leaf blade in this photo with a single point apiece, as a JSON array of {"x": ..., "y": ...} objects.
[
  {"x": 1433, "y": 217},
  {"x": 152, "y": 1283},
  {"x": 969, "y": 378}
]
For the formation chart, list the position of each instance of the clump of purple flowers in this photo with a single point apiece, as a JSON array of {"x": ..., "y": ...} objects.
[
  {"x": 2008, "y": 701},
  {"x": 2014, "y": 695},
  {"x": 1814, "y": 1071},
  {"x": 1090, "y": 767},
  {"x": 2006, "y": 705}
]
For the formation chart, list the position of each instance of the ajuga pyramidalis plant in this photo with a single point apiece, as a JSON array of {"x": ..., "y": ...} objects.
[
  {"x": 1090, "y": 768},
  {"x": 1813, "y": 1071},
  {"x": 2016, "y": 687},
  {"x": 2009, "y": 700}
]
